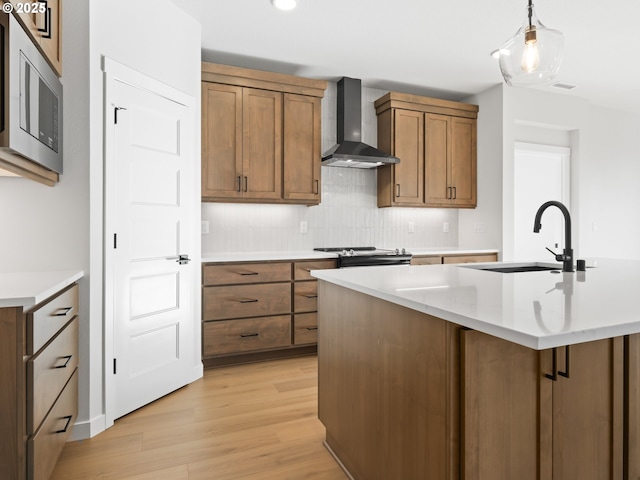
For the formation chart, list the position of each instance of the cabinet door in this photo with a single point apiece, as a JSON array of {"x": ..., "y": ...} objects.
[
  {"x": 261, "y": 144},
  {"x": 463, "y": 162},
  {"x": 632, "y": 407},
  {"x": 50, "y": 29},
  {"x": 499, "y": 409},
  {"x": 221, "y": 140},
  {"x": 586, "y": 413},
  {"x": 438, "y": 189},
  {"x": 408, "y": 146},
  {"x": 302, "y": 148}
]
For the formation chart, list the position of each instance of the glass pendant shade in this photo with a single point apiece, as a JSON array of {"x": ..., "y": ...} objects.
[{"x": 533, "y": 55}]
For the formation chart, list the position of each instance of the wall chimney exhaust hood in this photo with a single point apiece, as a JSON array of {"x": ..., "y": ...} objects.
[{"x": 350, "y": 151}]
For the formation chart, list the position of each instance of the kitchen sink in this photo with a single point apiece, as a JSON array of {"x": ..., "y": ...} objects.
[{"x": 515, "y": 267}]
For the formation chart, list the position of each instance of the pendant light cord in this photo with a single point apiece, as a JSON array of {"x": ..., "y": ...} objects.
[{"x": 530, "y": 11}]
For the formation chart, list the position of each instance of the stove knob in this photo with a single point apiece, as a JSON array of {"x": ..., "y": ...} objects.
[
  {"x": 345, "y": 252},
  {"x": 397, "y": 252},
  {"x": 404, "y": 252},
  {"x": 352, "y": 252}
]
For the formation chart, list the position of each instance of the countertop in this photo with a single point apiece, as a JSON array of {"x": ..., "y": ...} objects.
[
  {"x": 26, "y": 289},
  {"x": 539, "y": 310},
  {"x": 313, "y": 255}
]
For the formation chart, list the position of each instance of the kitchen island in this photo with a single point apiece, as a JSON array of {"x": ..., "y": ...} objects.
[{"x": 447, "y": 372}]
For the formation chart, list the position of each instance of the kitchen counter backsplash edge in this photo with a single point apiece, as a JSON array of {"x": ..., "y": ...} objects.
[{"x": 313, "y": 255}]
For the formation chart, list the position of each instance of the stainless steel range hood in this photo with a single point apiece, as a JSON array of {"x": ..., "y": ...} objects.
[{"x": 350, "y": 151}]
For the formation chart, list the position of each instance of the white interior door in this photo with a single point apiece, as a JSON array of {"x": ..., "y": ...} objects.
[
  {"x": 149, "y": 185},
  {"x": 541, "y": 173}
]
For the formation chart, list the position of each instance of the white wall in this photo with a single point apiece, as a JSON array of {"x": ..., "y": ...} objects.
[
  {"x": 347, "y": 216},
  {"x": 605, "y": 168}
]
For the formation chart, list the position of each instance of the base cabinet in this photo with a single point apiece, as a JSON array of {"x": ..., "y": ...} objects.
[
  {"x": 403, "y": 394},
  {"x": 38, "y": 384}
]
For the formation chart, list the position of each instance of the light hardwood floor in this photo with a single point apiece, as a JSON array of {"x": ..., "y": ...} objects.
[{"x": 250, "y": 422}]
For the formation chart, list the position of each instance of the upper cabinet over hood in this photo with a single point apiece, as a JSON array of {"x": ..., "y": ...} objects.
[{"x": 350, "y": 151}]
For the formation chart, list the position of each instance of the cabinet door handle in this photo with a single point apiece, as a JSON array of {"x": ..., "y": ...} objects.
[
  {"x": 567, "y": 356},
  {"x": 68, "y": 357},
  {"x": 312, "y": 295},
  {"x": 68, "y": 419},
  {"x": 47, "y": 20},
  {"x": 239, "y": 183},
  {"x": 455, "y": 193},
  {"x": 246, "y": 184},
  {"x": 312, "y": 328},
  {"x": 553, "y": 376},
  {"x": 247, "y": 335},
  {"x": 397, "y": 190},
  {"x": 62, "y": 312},
  {"x": 316, "y": 187},
  {"x": 449, "y": 193}
]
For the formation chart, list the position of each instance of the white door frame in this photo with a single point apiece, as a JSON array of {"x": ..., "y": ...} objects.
[{"x": 115, "y": 71}]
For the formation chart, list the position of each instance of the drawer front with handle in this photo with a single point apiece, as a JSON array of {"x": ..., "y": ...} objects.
[
  {"x": 305, "y": 328},
  {"x": 236, "y": 336},
  {"x": 48, "y": 372},
  {"x": 306, "y": 296},
  {"x": 44, "y": 322},
  {"x": 45, "y": 446},
  {"x": 240, "y": 301},
  {"x": 302, "y": 269},
  {"x": 240, "y": 273}
]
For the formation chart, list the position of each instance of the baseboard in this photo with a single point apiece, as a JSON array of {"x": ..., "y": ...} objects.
[
  {"x": 88, "y": 428},
  {"x": 335, "y": 457}
]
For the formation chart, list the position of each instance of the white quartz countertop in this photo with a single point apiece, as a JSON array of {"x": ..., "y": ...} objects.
[
  {"x": 536, "y": 309},
  {"x": 26, "y": 289},
  {"x": 314, "y": 255}
]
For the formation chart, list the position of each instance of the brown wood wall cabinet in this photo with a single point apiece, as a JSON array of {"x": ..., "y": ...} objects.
[
  {"x": 38, "y": 384},
  {"x": 261, "y": 136},
  {"x": 44, "y": 27},
  {"x": 436, "y": 142},
  {"x": 403, "y": 394},
  {"x": 259, "y": 310}
]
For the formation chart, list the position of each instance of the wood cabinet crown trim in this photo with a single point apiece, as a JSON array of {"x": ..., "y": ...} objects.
[
  {"x": 246, "y": 77},
  {"x": 418, "y": 103}
]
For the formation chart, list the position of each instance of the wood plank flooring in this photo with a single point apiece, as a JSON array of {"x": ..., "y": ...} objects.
[{"x": 250, "y": 422}]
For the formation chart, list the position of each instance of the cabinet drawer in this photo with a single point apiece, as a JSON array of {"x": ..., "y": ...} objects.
[
  {"x": 43, "y": 449},
  {"x": 235, "y": 336},
  {"x": 305, "y": 328},
  {"x": 239, "y": 301},
  {"x": 48, "y": 372},
  {"x": 301, "y": 270},
  {"x": 45, "y": 321},
  {"x": 240, "y": 273},
  {"x": 488, "y": 257},
  {"x": 305, "y": 297},
  {"x": 426, "y": 260}
]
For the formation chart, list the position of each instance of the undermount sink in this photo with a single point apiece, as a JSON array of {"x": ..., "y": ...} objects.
[{"x": 516, "y": 267}]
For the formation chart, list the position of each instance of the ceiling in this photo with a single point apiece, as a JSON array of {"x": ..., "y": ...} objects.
[{"x": 438, "y": 48}]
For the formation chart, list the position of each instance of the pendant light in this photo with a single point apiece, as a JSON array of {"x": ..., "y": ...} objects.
[
  {"x": 284, "y": 4},
  {"x": 533, "y": 55}
]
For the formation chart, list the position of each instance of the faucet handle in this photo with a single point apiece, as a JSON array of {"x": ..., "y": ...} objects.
[{"x": 559, "y": 257}]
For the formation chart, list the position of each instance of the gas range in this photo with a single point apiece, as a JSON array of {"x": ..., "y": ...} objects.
[{"x": 368, "y": 256}]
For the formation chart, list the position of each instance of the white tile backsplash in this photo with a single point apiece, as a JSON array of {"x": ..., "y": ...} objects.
[{"x": 347, "y": 216}]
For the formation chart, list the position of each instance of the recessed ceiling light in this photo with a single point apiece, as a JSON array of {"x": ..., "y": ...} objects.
[{"x": 284, "y": 4}]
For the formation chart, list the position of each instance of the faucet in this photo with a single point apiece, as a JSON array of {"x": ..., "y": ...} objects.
[{"x": 567, "y": 254}]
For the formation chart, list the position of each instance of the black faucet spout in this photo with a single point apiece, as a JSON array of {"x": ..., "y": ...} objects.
[{"x": 567, "y": 254}]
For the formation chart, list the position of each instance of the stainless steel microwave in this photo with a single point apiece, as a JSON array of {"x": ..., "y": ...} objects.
[{"x": 31, "y": 103}]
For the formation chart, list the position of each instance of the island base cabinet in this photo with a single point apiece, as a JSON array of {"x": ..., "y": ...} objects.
[
  {"x": 517, "y": 422},
  {"x": 385, "y": 392}
]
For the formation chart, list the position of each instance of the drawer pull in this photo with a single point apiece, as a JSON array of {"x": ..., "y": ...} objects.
[
  {"x": 312, "y": 328},
  {"x": 68, "y": 419},
  {"x": 244, "y": 274},
  {"x": 62, "y": 312},
  {"x": 68, "y": 357},
  {"x": 245, "y": 335},
  {"x": 311, "y": 295},
  {"x": 248, "y": 300}
]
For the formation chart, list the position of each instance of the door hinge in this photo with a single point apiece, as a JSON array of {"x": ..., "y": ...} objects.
[
  {"x": 115, "y": 114},
  {"x": 114, "y": 366},
  {"x": 115, "y": 240}
]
